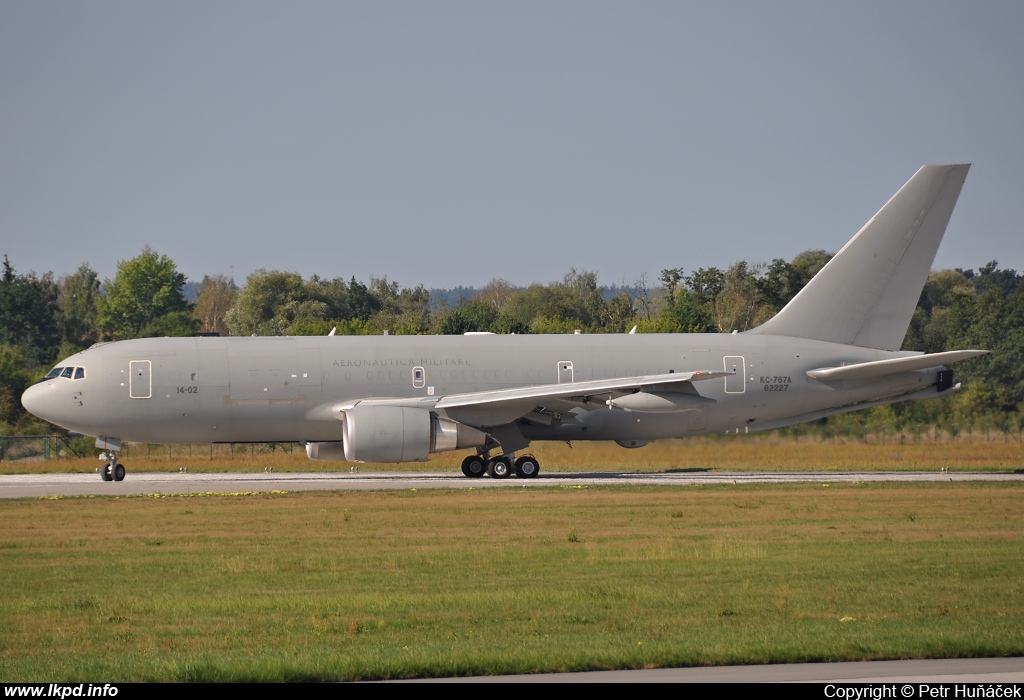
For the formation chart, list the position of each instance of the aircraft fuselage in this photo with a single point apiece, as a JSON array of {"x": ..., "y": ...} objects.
[{"x": 278, "y": 389}]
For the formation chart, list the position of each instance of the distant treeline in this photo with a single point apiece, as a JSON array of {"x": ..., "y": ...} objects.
[{"x": 44, "y": 319}]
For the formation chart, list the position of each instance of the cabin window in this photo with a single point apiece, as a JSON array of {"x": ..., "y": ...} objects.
[
  {"x": 79, "y": 372},
  {"x": 67, "y": 372},
  {"x": 55, "y": 372}
]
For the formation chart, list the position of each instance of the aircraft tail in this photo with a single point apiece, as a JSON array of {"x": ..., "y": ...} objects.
[{"x": 867, "y": 293}]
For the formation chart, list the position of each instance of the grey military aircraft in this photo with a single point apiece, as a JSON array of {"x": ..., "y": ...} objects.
[{"x": 834, "y": 348}]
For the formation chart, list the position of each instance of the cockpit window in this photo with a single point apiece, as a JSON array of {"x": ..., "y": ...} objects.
[{"x": 66, "y": 373}]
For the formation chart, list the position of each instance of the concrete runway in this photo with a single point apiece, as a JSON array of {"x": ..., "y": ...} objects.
[
  {"x": 912, "y": 671},
  {"x": 41, "y": 485}
]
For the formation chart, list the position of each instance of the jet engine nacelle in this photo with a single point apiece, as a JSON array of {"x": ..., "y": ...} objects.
[{"x": 399, "y": 434}]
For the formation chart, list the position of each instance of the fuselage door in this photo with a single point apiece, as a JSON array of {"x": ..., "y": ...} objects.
[
  {"x": 735, "y": 383},
  {"x": 565, "y": 372},
  {"x": 140, "y": 379}
]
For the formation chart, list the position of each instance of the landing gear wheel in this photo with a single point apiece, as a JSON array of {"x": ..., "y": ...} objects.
[
  {"x": 527, "y": 467},
  {"x": 474, "y": 466},
  {"x": 105, "y": 473},
  {"x": 499, "y": 468},
  {"x": 118, "y": 472}
]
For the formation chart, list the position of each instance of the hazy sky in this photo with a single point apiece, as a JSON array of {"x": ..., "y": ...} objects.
[{"x": 449, "y": 143}]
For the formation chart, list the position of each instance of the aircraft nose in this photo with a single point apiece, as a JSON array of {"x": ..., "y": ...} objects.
[{"x": 34, "y": 400}]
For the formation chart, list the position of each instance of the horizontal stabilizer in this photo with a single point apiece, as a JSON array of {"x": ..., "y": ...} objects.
[{"x": 883, "y": 368}]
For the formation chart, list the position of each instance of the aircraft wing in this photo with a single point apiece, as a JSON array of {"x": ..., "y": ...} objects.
[
  {"x": 501, "y": 406},
  {"x": 882, "y": 368},
  {"x": 580, "y": 391},
  {"x": 489, "y": 408}
]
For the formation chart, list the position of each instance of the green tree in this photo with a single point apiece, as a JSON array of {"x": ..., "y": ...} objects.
[
  {"x": 282, "y": 303},
  {"x": 739, "y": 307},
  {"x": 14, "y": 379},
  {"x": 78, "y": 297},
  {"x": 619, "y": 314},
  {"x": 780, "y": 281},
  {"x": 266, "y": 304},
  {"x": 354, "y": 326},
  {"x": 706, "y": 284},
  {"x": 181, "y": 324},
  {"x": 468, "y": 316},
  {"x": 146, "y": 289},
  {"x": 29, "y": 314},
  {"x": 496, "y": 293},
  {"x": 574, "y": 303},
  {"x": 216, "y": 297},
  {"x": 671, "y": 278},
  {"x": 802, "y": 268},
  {"x": 362, "y": 303},
  {"x": 689, "y": 315}
]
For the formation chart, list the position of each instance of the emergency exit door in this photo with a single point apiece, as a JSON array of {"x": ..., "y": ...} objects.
[
  {"x": 735, "y": 383},
  {"x": 565, "y": 372},
  {"x": 140, "y": 379}
]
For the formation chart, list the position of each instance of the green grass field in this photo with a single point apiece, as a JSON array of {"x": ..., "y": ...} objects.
[{"x": 311, "y": 586}]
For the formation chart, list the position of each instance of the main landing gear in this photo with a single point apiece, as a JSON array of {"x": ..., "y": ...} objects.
[
  {"x": 475, "y": 466},
  {"x": 111, "y": 471}
]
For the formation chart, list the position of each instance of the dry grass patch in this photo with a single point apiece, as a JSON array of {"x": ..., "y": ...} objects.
[{"x": 736, "y": 453}]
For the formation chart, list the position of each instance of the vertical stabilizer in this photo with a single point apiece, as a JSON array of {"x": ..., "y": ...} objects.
[{"x": 867, "y": 293}]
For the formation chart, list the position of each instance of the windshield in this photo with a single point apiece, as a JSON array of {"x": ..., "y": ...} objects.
[{"x": 65, "y": 372}]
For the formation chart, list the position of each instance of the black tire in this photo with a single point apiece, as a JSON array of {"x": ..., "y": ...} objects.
[
  {"x": 499, "y": 468},
  {"x": 105, "y": 473},
  {"x": 118, "y": 472},
  {"x": 474, "y": 466},
  {"x": 527, "y": 467}
]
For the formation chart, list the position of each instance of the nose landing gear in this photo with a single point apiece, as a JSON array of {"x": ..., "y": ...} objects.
[{"x": 111, "y": 471}]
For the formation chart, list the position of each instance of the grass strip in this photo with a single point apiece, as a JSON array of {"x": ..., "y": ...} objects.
[{"x": 361, "y": 585}]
